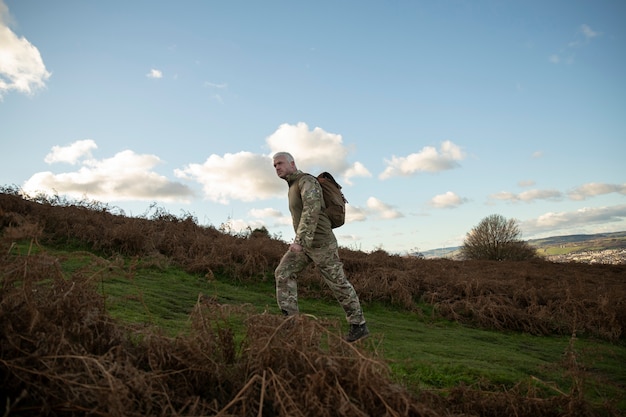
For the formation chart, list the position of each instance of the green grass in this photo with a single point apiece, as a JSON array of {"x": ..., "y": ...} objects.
[
  {"x": 567, "y": 250},
  {"x": 557, "y": 250},
  {"x": 422, "y": 351}
]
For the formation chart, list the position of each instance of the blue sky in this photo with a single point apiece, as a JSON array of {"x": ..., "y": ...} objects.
[{"x": 431, "y": 114}]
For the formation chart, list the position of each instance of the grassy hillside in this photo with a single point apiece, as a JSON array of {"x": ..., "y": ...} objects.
[
  {"x": 423, "y": 349},
  {"x": 162, "y": 317}
]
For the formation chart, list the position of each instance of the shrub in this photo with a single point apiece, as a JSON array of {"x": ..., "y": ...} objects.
[{"x": 497, "y": 239}]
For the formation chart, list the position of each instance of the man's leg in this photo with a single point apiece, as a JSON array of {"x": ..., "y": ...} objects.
[
  {"x": 286, "y": 285},
  {"x": 331, "y": 268}
]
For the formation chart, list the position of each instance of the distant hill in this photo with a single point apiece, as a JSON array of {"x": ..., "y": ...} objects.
[
  {"x": 561, "y": 245},
  {"x": 449, "y": 252},
  {"x": 553, "y": 245}
]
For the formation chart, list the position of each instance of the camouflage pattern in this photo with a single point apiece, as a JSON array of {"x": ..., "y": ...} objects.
[
  {"x": 327, "y": 261},
  {"x": 306, "y": 204},
  {"x": 314, "y": 233}
]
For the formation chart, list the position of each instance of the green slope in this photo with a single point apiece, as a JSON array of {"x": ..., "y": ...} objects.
[{"x": 423, "y": 351}]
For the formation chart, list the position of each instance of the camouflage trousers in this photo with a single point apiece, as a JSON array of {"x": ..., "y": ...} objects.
[{"x": 326, "y": 259}]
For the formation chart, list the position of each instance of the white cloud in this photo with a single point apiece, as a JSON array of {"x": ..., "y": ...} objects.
[
  {"x": 214, "y": 85},
  {"x": 532, "y": 195},
  {"x": 567, "y": 54},
  {"x": 594, "y": 188},
  {"x": 383, "y": 210},
  {"x": 241, "y": 176},
  {"x": 315, "y": 150},
  {"x": 588, "y": 32},
  {"x": 357, "y": 170},
  {"x": 537, "y": 154},
  {"x": 582, "y": 192},
  {"x": 526, "y": 183},
  {"x": 427, "y": 160},
  {"x": 71, "y": 154},
  {"x": 274, "y": 215},
  {"x": 263, "y": 213},
  {"x": 124, "y": 177},
  {"x": 241, "y": 225},
  {"x": 155, "y": 73},
  {"x": 447, "y": 200},
  {"x": 504, "y": 196},
  {"x": 588, "y": 35},
  {"x": 246, "y": 176},
  {"x": 216, "y": 96},
  {"x": 557, "y": 222},
  {"x": 21, "y": 67},
  {"x": 527, "y": 196},
  {"x": 354, "y": 214}
]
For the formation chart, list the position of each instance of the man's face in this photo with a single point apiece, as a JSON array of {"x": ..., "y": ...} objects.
[{"x": 283, "y": 167}]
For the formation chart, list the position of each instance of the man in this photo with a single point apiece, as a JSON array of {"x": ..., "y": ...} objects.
[{"x": 314, "y": 242}]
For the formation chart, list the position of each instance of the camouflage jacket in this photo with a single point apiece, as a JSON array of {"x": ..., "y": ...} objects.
[{"x": 306, "y": 204}]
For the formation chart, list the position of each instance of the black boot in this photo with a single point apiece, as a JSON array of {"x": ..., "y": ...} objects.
[{"x": 357, "y": 331}]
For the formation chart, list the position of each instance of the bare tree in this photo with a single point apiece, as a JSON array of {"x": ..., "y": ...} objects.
[{"x": 496, "y": 238}]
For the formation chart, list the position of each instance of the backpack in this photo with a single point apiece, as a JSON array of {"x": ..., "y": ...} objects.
[{"x": 333, "y": 199}]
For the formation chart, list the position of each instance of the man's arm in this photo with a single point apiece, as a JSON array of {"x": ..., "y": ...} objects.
[{"x": 311, "y": 194}]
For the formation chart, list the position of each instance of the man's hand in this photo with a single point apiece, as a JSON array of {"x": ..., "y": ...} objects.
[{"x": 295, "y": 247}]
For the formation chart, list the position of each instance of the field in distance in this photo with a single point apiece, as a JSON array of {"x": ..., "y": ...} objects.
[{"x": 556, "y": 245}]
